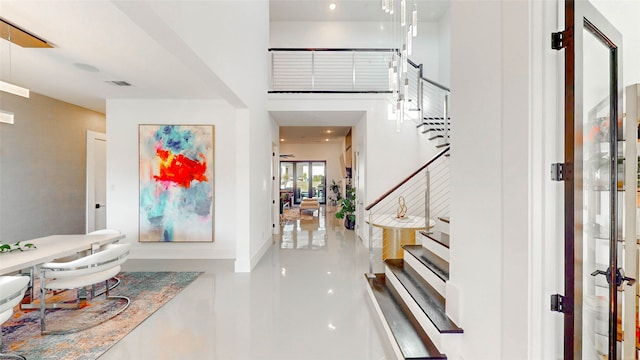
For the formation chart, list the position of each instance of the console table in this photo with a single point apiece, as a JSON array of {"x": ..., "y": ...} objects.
[{"x": 398, "y": 232}]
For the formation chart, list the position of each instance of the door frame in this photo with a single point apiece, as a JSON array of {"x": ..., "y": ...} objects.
[{"x": 90, "y": 178}]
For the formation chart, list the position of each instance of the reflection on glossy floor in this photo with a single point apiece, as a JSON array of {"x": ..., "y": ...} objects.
[{"x": 305, "y": 300}]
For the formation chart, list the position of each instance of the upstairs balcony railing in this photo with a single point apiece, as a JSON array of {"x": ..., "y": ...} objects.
[
  {"x": 330, "y": 70},
  {"x": 296, "y": 70}
]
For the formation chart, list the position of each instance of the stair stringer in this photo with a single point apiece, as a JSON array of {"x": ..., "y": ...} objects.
[{"x": 385, "y": 324}]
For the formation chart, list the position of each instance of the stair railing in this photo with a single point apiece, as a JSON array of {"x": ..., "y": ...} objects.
[{"x": 418, "y": 199}]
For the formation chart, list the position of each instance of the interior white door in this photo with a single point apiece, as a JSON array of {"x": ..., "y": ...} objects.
[{"x": 96, "y": 213}]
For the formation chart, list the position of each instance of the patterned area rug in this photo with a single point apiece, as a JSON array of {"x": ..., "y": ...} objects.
[{"x": 148, "y": 292}]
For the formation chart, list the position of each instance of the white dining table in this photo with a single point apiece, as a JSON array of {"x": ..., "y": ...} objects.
[{"x": 52, "y": 247}]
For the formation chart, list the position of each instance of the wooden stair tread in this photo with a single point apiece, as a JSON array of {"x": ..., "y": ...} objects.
[
  {"x": 427, "y": 298},
  {"x": 410, "y": 337},
  {"x": 430, "y": 260},
  {"x": 437, "y": 236}
]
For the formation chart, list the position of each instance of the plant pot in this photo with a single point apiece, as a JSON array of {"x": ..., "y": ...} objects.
[{"x": 350, "y": 225}]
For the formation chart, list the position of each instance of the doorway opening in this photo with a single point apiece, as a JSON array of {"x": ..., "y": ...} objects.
[{"x": 303, "y": 179}]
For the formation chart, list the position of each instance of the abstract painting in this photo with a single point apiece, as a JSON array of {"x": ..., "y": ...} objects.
[{"x": 176, "y": 183}]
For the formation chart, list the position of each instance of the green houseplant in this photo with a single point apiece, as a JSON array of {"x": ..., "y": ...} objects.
[{"x": 348, "y": 208}]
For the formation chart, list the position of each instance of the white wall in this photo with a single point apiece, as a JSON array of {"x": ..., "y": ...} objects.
[
  {"x": 338, "y": 34},
  {"x": 547, "y": 206},
  {"x": 123, "y": 118},
  {"x": 234, "y": 44},
  {"x": 488, "y": 293},
  {"x": 444, "y": 49}
]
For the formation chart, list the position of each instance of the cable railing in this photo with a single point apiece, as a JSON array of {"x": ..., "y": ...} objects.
[
  {"x": 330, "y": 70},
  {"x": 295, "y": 70},
  {"x": 412, "y": 205}
]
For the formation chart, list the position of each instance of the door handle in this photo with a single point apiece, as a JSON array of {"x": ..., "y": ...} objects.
[
  {"x": 98, "y": 206},
  {"x": 620, "y": 277}
]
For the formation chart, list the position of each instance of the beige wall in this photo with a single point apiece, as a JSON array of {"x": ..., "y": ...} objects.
[{"x": 43, "y": 167}]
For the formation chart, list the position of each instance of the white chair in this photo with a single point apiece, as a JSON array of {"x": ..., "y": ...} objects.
[
  {"x": 80, "y": 273},
  {"x": 116, "y": 280},
  {"x": 12, "y": 289}
]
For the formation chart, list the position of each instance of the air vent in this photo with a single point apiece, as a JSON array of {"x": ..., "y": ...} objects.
[{"x": 118, "y": 83}]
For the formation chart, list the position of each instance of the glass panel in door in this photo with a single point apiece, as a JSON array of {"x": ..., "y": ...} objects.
[
  {"x": 318, "y": 181},
  {"x": 599, "y": 197},
  {"x": 593, "y": 216},
  {"x": 302, "y": 181},
  {"x": 286, "y": 182}
]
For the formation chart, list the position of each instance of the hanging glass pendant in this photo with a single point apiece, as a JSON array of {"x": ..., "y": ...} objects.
[
  {"x": 405, "y": 59},
  {"x": 403, "y": 13}
]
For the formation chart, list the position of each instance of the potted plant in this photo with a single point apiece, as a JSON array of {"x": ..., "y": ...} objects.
[
  {"x": 336, "y": 193},
  {"x": 348, "y": 208}
]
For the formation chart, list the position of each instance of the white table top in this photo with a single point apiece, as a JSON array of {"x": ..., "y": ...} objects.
[
  {"x": 391, "y": 221},
  {"x": 52, "y": 247}
]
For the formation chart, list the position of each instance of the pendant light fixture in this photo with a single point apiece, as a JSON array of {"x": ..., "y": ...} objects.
[{"x": 404, "y": 31}]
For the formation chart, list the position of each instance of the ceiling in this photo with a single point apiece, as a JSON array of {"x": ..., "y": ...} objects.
[
  {"x": 349, "y": 10},
  {"x": 97, "y": 42},
  {"x": 313, "y": 134}
]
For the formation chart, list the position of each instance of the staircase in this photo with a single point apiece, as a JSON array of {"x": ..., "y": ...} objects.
[
  {"x": 410, "y": 294},
  {"x": 410, "y": 299},
  {"x": 436, "y": 129}
]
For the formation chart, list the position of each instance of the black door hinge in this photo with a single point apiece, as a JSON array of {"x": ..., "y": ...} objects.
[
  {"x": 557, "y": 303},
  {"x": 561, "y": 171},
  {"x": 559, "y": 40}
]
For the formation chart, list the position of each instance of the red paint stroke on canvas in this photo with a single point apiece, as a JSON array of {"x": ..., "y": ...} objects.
[{"x": 180, "y": 169}]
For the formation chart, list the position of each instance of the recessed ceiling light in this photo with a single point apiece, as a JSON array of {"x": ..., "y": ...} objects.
[
  {"x": 281, "y": 139},
  {"x": 332, "y": 6},
  {"x": 326, "y": 139},
  {"x": 328, "y": 131}
]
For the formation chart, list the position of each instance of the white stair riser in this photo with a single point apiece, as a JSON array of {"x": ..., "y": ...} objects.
[
  {"x": 419, "y": 314},
  {"x": 436, "y": 248},
  {"x": 443, "y": 226},
  {"x": 385, "y": 325},
  {"x": 425, "y": 273}
]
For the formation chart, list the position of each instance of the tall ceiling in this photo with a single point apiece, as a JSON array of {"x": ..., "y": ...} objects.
[
  {"x": 349, "y": 10},
  {"x": 100, "y": 41}
]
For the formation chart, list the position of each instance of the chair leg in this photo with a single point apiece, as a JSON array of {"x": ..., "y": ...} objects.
[
  {"x": 43, "y": 305},
  {"x": 126, "y": 300}
]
